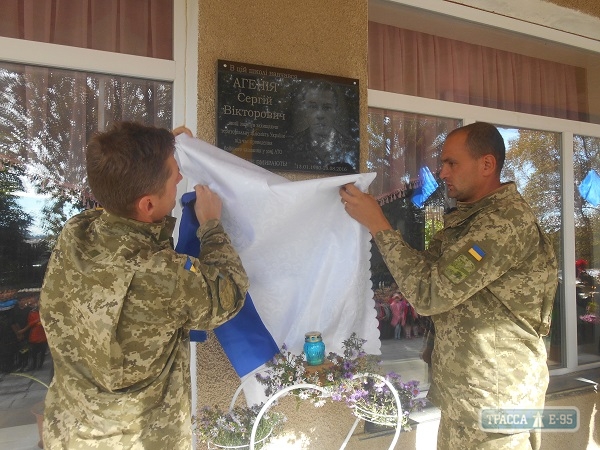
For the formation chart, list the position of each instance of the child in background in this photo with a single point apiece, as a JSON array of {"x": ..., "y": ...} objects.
[
  {"x": 38, "y": 343},
  {"x": 397, "y": 305}
]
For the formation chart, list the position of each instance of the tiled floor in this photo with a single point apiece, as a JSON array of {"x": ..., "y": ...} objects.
[
  {"x": 19, "y": 395},
  {"x": 402, "y": 356},
  {"x": 23, "y": 437}
]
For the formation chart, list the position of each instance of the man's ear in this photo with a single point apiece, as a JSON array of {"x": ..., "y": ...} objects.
[
  {"x": 144, "y": 208},
  {"x": 489, "y": 163}
]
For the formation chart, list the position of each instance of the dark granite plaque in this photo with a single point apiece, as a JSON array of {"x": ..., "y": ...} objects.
[{"x": 286, "y": 120}]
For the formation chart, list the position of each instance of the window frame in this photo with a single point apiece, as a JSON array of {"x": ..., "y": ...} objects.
[
  {"x": 181, "y": 71},
  {"x": 480, "y": 23}
]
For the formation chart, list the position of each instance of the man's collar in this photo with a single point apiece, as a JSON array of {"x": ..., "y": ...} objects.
[{"x": 159, "y": 230}]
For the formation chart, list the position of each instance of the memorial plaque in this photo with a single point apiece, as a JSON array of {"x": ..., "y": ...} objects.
[{"x": 286, "y": 120}]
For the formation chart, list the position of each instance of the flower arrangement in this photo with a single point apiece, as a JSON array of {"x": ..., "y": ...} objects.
[
  {"x": 232, "y": 429},
  {"x": 340, "y": 376},
  {"x": 591, "y": 315},
  {"x": 590, "y": 318},
  {"x": 372, "y": 399}
]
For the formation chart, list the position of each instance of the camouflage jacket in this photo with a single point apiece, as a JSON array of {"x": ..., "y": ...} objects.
[
  {"x": 488, "y": 279},
  {"x": 117, "y": 304}
]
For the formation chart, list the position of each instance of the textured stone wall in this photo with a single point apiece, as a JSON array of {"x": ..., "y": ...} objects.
[
  {"x": 320, "y": 36},
  {"x": 591, "y": 7}
]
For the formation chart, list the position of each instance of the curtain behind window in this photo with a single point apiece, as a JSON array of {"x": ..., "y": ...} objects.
[
  {"x": 135, "y": 27},
  {"x": 424, "y": 65}
]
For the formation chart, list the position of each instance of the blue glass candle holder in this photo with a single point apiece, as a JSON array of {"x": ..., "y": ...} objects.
[{"x": 314, "y": 348}]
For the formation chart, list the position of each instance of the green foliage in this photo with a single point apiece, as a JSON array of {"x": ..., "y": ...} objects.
[
  {"x": 46, "y": 118},
  {"x": 534, "y": 161},
  {"x": 18, "y": 254},
  {"x": 432, "y": 226}
]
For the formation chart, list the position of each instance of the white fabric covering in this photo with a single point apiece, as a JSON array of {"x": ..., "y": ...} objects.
[{"x": 307, "y": 260}]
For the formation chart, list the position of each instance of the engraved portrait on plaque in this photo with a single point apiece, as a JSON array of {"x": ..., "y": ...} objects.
[{"x": 285, "y": 120}]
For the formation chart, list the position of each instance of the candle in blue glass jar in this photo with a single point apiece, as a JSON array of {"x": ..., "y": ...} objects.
[{"x": 314, "y": 348}]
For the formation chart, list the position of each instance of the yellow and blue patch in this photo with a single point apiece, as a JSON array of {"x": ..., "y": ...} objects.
[
  {"x": 476, "y": 252},
  {"x": 189, "y": 265}
]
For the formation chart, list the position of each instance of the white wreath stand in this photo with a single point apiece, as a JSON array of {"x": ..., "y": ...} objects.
[{"x": 288, "y": 389}]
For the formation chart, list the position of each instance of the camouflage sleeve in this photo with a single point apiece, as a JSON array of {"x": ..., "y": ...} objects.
[
  {"x": 435, "y": 281},
  {"x": 211, "y": 288},
  {"x": 429, "y": 338}
]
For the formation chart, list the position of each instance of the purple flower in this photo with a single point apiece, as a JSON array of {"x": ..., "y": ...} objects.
[{"x": 590, "y": 318}]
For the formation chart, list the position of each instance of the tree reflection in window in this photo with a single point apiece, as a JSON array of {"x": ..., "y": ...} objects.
[{"x": 46, "y": 118}]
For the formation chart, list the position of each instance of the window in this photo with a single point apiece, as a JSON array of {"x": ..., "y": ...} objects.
[
  {"x": 55, "y": 93},
  {"x": 430, "y": 66},
  {"x": 47, "y": 118},
  {"x": 549, "y": 152},
  {"x": 533, "y": 162},
  {"x": 586, "y": 165},
  {"x": 404, "y": 151}
]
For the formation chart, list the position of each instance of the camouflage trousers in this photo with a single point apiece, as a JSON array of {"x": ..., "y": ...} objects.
[{"x": 454, "y": 435}]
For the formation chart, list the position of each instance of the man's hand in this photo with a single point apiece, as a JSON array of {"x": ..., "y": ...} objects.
[
  {"x": 208, "y": 204},
  {"x": 364, "y": 209},
  {"x": 182, "y": 129}
]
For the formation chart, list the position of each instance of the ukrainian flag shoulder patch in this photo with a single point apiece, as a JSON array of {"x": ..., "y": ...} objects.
[
  {"x": 189, "y": 265},
  {"x": 464, "y": 264},
  {"x": 476, "y": 252}
]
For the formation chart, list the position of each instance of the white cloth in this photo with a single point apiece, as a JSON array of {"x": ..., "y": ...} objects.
[{"x": 307, "y": 260}]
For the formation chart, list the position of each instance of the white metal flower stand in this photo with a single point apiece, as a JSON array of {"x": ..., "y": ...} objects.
[{"x": 301, "y": 386}]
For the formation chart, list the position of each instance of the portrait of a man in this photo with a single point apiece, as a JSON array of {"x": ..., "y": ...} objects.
[{"x": 323, "y": 142}]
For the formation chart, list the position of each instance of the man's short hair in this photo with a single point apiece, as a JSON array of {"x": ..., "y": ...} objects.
[
  {"x": 320, "y": 86},
  {"x": 127, "y": 162},
  {"x": 484, "y": 139}
]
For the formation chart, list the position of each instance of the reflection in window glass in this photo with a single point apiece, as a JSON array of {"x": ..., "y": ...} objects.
[
  {"x": 401, "y": 146},
  {"x": 46, "y": 118},
  {"x": 586, "y": 165},
  {"x": 533, "y": 162},
  {"x": 404, "y": 151}
]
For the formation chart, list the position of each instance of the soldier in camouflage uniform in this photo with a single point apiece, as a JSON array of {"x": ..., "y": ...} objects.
[
  {"x": 488, "y": 280},
  {"x": 117, "y": 302}
]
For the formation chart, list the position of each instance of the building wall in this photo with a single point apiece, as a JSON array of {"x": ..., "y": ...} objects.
[
  {"x": 328, "y": 37},
  {"x": 591, "y": 7},
  {"x": 571, "y": 16}
]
